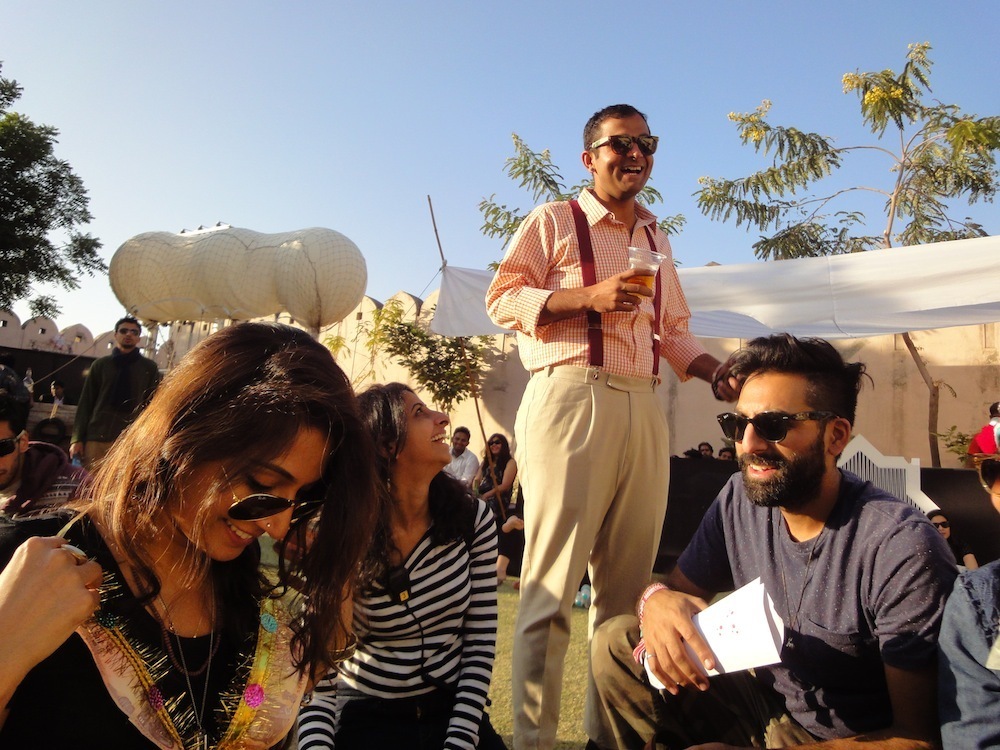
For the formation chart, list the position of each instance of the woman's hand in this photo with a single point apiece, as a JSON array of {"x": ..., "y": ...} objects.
[{"x": 47, "y": 589}]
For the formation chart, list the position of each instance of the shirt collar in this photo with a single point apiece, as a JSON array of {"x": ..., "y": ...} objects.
[{"x": 594, "y": 210}]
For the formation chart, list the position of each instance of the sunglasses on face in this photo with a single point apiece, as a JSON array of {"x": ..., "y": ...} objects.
[
  {"x": 622, "y": 144},
  {"x": 771, "y": 426},
  {"x": 941, "y": 524},
  {"x": 126, "y": 331},
  {"x": 495, "y": 442},
  {"x": 9, "y": 445},
  {"x": 261, "y": 505}
]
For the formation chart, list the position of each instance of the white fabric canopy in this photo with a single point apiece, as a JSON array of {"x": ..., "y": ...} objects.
[{"x": 843, "y": 296}]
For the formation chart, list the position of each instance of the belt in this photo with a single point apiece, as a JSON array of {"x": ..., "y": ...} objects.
[{"x": 597, "y": 376}]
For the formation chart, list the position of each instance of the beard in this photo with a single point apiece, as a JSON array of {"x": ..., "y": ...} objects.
[{"x": 796, "y": 481}]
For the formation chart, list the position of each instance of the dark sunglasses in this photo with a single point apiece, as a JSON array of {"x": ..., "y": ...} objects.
[
  {"x": 9, "y": 445},
  {"x": 622, "y": 144},
  {"x": 941, "y": 524},
  {"x": 771, "y": 426},
  {"x": 495, "y": 442},
  {"x": 989, "y": 471},
  {"x": 126, "y": 331},
  {"x": 261, "y": 505}
]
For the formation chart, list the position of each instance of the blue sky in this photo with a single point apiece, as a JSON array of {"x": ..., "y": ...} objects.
[{"x": 282, "y": 115}]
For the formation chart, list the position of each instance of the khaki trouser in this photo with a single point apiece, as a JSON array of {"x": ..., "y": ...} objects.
[
  {"x": 736, "y": 709},
  {"x": 593, "y": 458}
]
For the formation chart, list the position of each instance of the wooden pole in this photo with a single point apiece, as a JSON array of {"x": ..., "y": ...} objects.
[{"x": 474, "y": 387}]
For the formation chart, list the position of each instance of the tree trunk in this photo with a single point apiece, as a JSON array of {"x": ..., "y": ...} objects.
[{"x": 934, "y": 398}]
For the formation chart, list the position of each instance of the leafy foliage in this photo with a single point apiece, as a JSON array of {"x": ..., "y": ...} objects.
[
  {"x": 955, "y": 441},
  {"x": 448, "y": 368},
  {"x": 39, "y": 195},
  {"x": 536, "y": 173},
  {"x": 939, "y": 154}
]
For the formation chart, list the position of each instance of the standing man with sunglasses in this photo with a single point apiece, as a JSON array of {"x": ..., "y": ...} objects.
[
  {"x": 858, "y": 577},
  {"x": 116, "y": 389},
  {"x": 33, "y": 475},
  {"x": 591, "y": 435}
]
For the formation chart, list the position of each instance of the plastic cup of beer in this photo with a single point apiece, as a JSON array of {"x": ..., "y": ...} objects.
[{"x": 646, "y": 263}]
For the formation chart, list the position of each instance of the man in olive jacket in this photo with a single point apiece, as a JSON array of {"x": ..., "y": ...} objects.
[{"x": 117, "y": 388}]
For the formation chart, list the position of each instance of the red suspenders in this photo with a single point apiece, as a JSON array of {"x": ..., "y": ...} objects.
[{"x": 595, "y": 335}]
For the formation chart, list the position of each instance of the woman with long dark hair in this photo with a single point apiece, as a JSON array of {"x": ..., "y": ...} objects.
[
  {"x": 426, "y": 617},
  {"x": 499, "y": 497},
  {"x": 255, "y": 432}
]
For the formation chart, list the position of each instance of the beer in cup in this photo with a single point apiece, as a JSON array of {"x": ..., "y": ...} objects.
[{"x": 646, "y": 263}]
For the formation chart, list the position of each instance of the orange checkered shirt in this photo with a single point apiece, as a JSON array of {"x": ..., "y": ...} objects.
[{"x": 544, "y": 256}]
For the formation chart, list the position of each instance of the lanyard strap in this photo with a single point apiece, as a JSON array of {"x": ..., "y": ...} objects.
[{"x": 595, "y": 334}]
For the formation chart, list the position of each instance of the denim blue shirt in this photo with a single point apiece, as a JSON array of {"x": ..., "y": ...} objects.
[{"x": 969, "y": 689}]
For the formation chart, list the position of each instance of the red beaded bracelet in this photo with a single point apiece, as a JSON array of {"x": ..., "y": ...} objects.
[{"x": 650, "y": 590}]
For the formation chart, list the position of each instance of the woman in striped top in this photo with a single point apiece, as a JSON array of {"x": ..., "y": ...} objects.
[{"x": 426, "y": 614}]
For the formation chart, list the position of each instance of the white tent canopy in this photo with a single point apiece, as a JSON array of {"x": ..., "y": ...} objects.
[{"x": 873, "y": 293}]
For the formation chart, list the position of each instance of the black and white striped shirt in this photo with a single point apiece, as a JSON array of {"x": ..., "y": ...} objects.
[{"x": 446, "y": 629}]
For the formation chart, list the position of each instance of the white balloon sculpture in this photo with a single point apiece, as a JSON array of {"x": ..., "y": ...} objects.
[{"x": 316, "y": 275}]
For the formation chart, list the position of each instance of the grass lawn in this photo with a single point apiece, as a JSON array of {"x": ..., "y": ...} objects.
[{"x": 570, "y": 735}]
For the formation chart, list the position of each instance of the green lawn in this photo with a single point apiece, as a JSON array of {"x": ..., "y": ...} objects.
[{"x": 570, "y": 735}]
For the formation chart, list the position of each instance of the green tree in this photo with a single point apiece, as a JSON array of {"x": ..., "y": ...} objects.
[
  {"x": 937, "y": 156},
  {"x": 40, "y": 198},
  {"x": 536, "y": 173},
  {"x": 447, "y": 367}
]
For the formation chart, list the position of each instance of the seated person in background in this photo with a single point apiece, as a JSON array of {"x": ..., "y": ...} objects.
[
  {"x": 58, "y": 391},
  {"x": 706, "y": 450},
  {"x": 858, "y": 577},
  {"x": 499, "y": 497},
  {"x": 969, "y": 672},
  {"x": 426, "y": 612},
  {"x": 963, "y": 555},
  {"x": 34, "y": 476},
  {"x": 463, "y": 464},
  {"x": 727, "y": 454}
]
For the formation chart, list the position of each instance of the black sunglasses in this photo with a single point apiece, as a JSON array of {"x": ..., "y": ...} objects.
[
  {"x": 9, "y": 445},
  {"x": 622, "y": 144},
  {"x": 941, "y": 524},
  {"x": 772, "y": 426},
  {"x": 495, "y": 442},
  {"x": 261, "y": 505},
  {"x": 126, "y": 331},
  {"x": 989, "y": 471}
]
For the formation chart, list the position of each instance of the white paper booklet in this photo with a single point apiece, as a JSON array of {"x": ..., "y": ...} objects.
[{"x": 743, "y": 630}]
